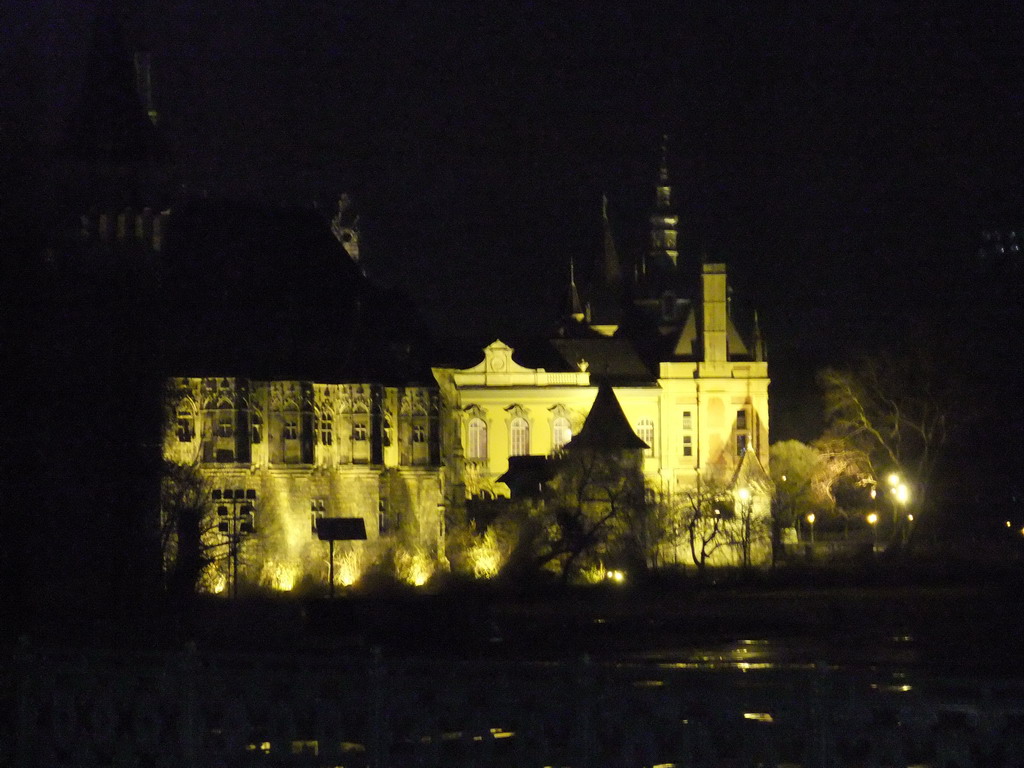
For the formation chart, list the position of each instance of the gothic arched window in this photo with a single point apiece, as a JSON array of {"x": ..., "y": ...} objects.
[{"x": 476, "y": 432}]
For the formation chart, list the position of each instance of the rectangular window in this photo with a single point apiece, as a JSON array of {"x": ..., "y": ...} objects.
[
  {"x": 687, "y": 420},
  {"x": 520, "y": 434},
  {"x": 325, "y": 429},
  {"x": 359, "y": 431},
  {"x": 291, "y": 428},
  {"x": 741, "y": 419},
  {"x": 687, "y": 445},
  {"x": 419, "y": 433},
  {"x": 741, "y": 444},
  {"x": 257, "y": 428},
  {"x": 645, "y": 431},
  {"x": 226, "y": 426}
]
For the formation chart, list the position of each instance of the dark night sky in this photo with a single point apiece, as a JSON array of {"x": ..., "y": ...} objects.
[{"x": 842, "y": 158}]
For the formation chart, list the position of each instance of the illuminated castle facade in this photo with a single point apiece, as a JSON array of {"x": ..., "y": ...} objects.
[{"x": 404, "y": 455}]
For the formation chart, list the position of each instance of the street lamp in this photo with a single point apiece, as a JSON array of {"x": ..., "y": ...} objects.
[
  {"x": 810, "y": 521},
  {"x": 900, "y": 493},
  {"x": 873, "y": 522}
]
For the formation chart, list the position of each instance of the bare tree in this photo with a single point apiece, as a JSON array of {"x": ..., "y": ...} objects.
[
  {"x": 703, "y": 516},
  {"x": 598, "y": 509},
  {"x": 894, "y": 413},
  {"x": 795, "y": 469}
]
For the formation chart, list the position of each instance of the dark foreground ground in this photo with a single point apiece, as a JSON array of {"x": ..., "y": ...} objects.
[{"x": 950, "y": 620}]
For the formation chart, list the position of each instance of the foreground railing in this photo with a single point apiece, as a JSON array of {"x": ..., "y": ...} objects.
[{"x": 196, "y": 709}]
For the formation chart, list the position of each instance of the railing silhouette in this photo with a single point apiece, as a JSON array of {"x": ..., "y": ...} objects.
[{"x": 196, "y": 709}]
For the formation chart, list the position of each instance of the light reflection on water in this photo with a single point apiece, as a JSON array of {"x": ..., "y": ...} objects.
[{"x": 789, "y": 653}]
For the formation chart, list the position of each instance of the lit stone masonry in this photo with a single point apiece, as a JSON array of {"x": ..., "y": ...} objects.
[{"x": 309, "y": 451}]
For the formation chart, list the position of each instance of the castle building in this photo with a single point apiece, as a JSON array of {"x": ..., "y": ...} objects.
[
  {"x": 298, "y": 394},
  {"x": 402, "y": 451}
]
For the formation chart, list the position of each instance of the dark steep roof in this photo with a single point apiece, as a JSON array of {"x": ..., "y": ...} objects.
[
  {"x": 267, "y": 292},
  {"x": 608, "y": 359},
  {"x": 606, "y": 428}
]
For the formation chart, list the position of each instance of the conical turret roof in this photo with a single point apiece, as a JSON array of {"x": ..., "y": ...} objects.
[{"x": 606, "y": 427}]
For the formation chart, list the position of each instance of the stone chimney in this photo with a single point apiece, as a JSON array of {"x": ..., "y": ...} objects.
[{"x": 713, "y": 298}]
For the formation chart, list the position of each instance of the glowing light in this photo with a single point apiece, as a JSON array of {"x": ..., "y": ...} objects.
[
  {"x": 348, "y": 567},
  {"x": 213, "y": 581},
  {"x": 811, "y": 518},
  {"x": 616, "y": 576},
  {"x": 413, "y": 568},
  {"x": 872, "y": 518},
  {"x": 910, "y": 517},
  {"x": 280, "y": 576},
  {"x": 893, "y": 479},
  {"x": 893, "y": 688},
  {"x": 902, "y": 493},
  {"x": 1008, "y": 524},
  {"x": 743, "y": 494},
  {"x": 485, "y": 557},
  {"x": 760, "y": 717}
]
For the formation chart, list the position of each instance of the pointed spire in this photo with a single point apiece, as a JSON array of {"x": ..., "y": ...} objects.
[
  {"x": 611, "y": 268},
  {"x": 759, "y": 353},
  {"x": 575, "y": 306},
  {"x": 663, "y": 222}
]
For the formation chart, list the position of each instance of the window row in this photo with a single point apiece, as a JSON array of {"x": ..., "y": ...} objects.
[
  {"x": 519, "y": 437},
  {"x": 228, "y": 436}
]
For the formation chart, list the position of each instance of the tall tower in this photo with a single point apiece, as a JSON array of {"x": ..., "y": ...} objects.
[
  {"x": 662, "y": 253},
  {"x": 112, "y": 150}
]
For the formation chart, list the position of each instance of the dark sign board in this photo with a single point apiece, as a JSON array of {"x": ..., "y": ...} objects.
[{"x": 341, "y": 529}]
